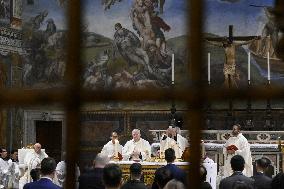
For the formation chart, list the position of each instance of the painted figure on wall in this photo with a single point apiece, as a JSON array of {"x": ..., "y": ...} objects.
[
  {"x": 148, "y": 26},
  {"x": 44, "y": 64},
  {"x": 17, "y": 9},
  {"x": 129, "y": 47},
  {"x": 270, "y": 35},
  {"x": 5, "y": 11},
  {"x": 154, "y": 3}
]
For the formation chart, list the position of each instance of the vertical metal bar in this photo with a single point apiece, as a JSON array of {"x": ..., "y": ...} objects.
[
  {"x": 195, "y": 113},
  {"x": 10, "y": 119},
  {"x": 11, "y": 128},
  {"x": 73, "y": 74}
]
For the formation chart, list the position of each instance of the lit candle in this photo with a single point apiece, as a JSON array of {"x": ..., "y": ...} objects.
[
  {"x": 173, "y": 68},
  {"x": 116, "y": 148},
  {"x": 268, "y": 67},
  {"x": 202, "y": 149},
  {"x": 209, "y": 68},
  {"x": 249, "y": 66}
]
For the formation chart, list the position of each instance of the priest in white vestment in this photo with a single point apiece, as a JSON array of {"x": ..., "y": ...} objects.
[
  {"x": 172, "y": 139},
  {"x": 5, "y": 168},
  {"x": 237, "y": 145},
  {"x": 136, "y": 149},
  {"x": 32, "y": 160},
  {"x": 112, "y": 148}
]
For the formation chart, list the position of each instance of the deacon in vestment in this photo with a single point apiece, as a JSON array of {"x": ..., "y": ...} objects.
[
  {"x": 172, "y": 139},
  {"x": 237, "y": 145},
  {"x": 112, "y": 148},
  {"x": 136, "y": 149}
]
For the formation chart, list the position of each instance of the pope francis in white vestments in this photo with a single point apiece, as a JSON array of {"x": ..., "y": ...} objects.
[
  {"x": 137, "y": 148},
  {"x": 242, "y": 147},
  {"x": 32, "y": 161}
]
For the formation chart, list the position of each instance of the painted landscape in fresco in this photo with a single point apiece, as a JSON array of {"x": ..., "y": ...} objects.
[
  {"x": 125, "y": 44},
  {"x": 129, "y": 43}
]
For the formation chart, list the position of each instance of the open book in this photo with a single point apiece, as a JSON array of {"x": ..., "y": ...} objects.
[{"x": 232, "y": 147}]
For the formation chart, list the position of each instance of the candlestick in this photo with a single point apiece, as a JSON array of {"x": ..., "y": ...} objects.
[
  {"x": 249, "y": 67},
  {"x": 173, "y": 68},
  {"x": 209, "y": 68},
  {"x": 268, "y": 67}
]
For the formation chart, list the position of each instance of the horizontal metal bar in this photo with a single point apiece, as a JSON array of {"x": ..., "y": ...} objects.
[{"x": 9, "y": 97}]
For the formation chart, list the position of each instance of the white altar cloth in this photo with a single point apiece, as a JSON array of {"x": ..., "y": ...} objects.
[{"x": 147, "y": 163}]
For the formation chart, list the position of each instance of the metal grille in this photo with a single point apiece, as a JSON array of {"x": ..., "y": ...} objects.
[{"x": 73, "y": 96}]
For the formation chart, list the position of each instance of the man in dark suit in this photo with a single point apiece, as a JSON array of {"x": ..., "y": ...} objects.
[
  {"x": 278, "y": 181},
  {"x": 162, "y": 177},
  {"x": 93, "y": 179},
  {"x": 237, "y": 164},
  {"x": 47, "y": 169},
  {"x": 176, "y": 172},
  {"x": 261, "y": 180},
  {"x": 112, "y": 176},
  {"x": 135, "y": 178}
]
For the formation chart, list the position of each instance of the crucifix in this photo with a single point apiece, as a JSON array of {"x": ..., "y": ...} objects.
[{"x": 229, "y": 44}]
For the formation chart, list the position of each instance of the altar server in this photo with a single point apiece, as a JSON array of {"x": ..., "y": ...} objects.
[
  {"x": 15, "y": 171},
  {"x": 5, "y": 168}
]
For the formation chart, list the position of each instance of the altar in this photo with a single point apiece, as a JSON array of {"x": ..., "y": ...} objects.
[{"x": 149, "y": 168}]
